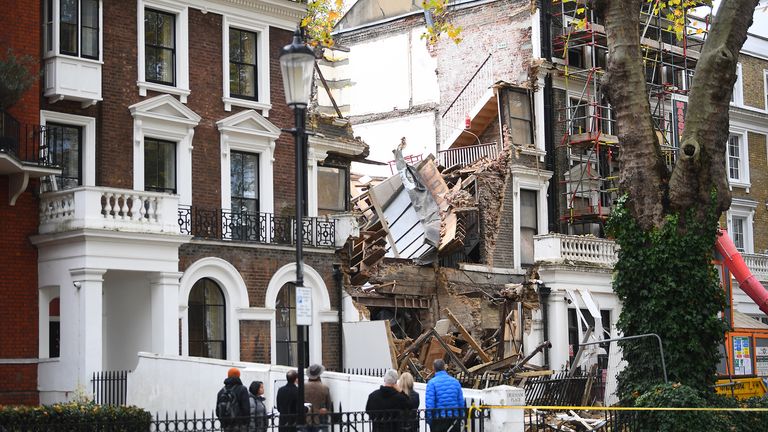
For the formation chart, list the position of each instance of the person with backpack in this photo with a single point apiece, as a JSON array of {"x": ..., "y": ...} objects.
[
  {"x": 232, "y": 404},
  {"x": 258, "y": 407}
]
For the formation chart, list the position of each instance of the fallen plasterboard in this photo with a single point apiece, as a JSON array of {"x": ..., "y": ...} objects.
[{"x": 366, "y": 345}]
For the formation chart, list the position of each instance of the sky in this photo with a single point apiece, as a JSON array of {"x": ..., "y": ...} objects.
[{"x": 760, "y": 24}]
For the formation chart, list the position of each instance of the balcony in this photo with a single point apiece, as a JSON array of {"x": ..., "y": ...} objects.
[
  {"x": 575, "y": 250},
  {"x": 758, "y": 264},
  {"x": 23, "y": 154},
  {"x": 73, "y": 78},
  {"x": 467, "y": 155},
  {"x": 258, "y": 228},
  {"x": 102, "y": 208}
]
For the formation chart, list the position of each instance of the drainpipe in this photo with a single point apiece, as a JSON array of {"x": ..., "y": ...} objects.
[
  {"x": 337, "y": 278},
  {"x": 544, "y": 292},
  {"x": 553, "y": 193}
]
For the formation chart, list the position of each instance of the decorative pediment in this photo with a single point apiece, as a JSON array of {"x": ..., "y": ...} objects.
[
  {"x": 248, "y": 122},
  {"x": 166, "y": 108}
]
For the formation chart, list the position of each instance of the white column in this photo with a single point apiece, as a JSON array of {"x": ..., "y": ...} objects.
[
  {"x": 164, "y": 292},
  {"x": 558, "y": 329},
  {"x": 89, "y": 291}
]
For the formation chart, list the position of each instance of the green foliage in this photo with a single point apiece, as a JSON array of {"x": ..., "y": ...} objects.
[
  {"x": 321, "y": 16},
  {"x": 17, "y": 74},
  {"x": 679, "y": 396},
  {"x": 74, "y": 416},
  {"x": 668, "y": 286},
  {"x": 441, "y": 24}
]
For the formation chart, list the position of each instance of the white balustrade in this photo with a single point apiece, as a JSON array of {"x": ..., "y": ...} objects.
[
  {"x": 758, "y": 265},
  {"x": 467, "y": 155},
  {"x": 578, "y": 249},
  {"x": 108, "y": 208}
]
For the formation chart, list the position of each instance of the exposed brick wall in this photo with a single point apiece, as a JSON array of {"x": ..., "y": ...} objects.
[
  {"x": 255, "y": 342},
  {"x": 504, "y": 248},
  {"x": 753, "y": 81},
  {"x": 331, "y": 354},
  {"x": 18, "y": 287}
]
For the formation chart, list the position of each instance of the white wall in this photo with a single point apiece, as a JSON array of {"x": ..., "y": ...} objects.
[
  {"x": 127, "y": 319},
  {"x": 169, "y": 384},
  {"x": 384, "y": 136}
]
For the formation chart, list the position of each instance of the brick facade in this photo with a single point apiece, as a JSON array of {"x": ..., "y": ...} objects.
[
  {"x": 753, "y": 81},
  {"x": 18, "y": 288},
  {"x": 255, "y": 343},
  {"x": 331, "y": 353}
]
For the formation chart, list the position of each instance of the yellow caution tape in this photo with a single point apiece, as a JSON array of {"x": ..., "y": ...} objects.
[{"x": 595, "y": 408}]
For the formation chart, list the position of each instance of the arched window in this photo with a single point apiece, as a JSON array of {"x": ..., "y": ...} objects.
[
  {"x": 207, "y": 315},
  {"x": 286, "y": 331}
]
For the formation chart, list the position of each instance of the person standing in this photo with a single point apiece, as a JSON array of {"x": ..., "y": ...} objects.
[
  {"x": 444, "y": 401},
  {"x": 259, "y": 419},
  {"x": 287, "y": 398},
  {"x": 406, "y": 386},
  {"x": 318, "y": 396},
  {"x": 387, "y": 406},
  {"x": 232, "y": 404}
]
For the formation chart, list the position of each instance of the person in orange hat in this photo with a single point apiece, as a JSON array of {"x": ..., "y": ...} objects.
[{"x": 232, "y": 405}]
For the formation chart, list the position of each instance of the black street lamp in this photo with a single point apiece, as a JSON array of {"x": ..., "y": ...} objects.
[{"x": 297, "y": 63}]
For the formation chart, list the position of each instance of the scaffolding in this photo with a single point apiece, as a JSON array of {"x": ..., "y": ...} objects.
[{"x": 590, "y": 182}]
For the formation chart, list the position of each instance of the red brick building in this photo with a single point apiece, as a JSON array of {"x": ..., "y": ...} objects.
[{"x": 168, "y": 228}]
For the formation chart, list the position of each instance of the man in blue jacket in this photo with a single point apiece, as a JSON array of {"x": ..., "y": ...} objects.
[{"x": 443, "y": 392}]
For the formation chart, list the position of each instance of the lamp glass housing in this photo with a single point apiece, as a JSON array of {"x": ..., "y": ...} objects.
[{"x": 297, "y": 63}]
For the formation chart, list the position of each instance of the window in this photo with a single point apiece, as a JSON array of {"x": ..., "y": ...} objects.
[
  {"x": 78, "y": 23},
  {"x": 160, "y": 50},
  {"x": 737, "y": 95},
  {"x": 738, "y": 224},
  {"x": 574, "y": 340},
  {"x": 159, "y": 165},
  {"x": 54, "y": 328},
  {"x": 576, "y": 57},
  {"x": 207, "y": 317},
  {"x": 737, "y": 155},
  {"x": 65, "y": 144},
  {"x": 286, "y": 330},
  {"x": 740, "y": 218},
  {"x": 245, "y": 64},
  {"x": 332, "y": 190},
  {"x": 242, "y": 64},
  {"x": 517, "y": 107},
  {"x": 577, "y": 112},
  {"x": 244, "y": 170},
  {"x": 529, "y": 224}
]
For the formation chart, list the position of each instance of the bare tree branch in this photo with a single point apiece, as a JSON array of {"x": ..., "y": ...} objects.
[
  {"x": 643, "y": 172},
  {"x": 701, "y": 163}
]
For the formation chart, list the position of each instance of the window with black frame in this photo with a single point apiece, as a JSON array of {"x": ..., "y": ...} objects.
[
  {"x": 65, "y": 147},
  {"x": 160, "y": 47},
  {"x": 206, "y": 316},
  {"x": 529, "y": 225},
  {"x": 518, "y": 116},
  {"x": 332, "y": 189},
  {"x": 244, "y": 183},
  {"x": 78, "y": 27},
  {"x": 286, "y": 330},
  {"x": 242, "y": 64},
  {"x": 159, "y": 165}
]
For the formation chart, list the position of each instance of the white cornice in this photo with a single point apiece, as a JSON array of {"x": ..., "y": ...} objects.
[{"x": 283, "y": 14}]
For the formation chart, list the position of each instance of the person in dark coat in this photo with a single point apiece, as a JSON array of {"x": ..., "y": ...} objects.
[
  {"x": 287, "y": 398},
  {"x": 387, "y": 407},
  {"x": 259, "y": 419},
  {"x": 406, "y": 387},
  {"x": 236, "y": 386}
]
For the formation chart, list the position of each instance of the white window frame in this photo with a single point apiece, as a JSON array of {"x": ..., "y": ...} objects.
[
  {"x": 249, "y": 132},
  {"x": 743, "y": 181},
  {"x": 181, "y": 66},
  {"x": 744, "y": 208},
  {"x": 150, "y": 122},
  {"x": 262, "y": 64},
  {"x": 531, "y": 179},
  {"x": 45, "y": 295},
  {"x": 88, "y": 125},
  {"x": 738, "y": 88},
  {"x": 55, "y": 50},
  {"x": 765, "y": 89}
]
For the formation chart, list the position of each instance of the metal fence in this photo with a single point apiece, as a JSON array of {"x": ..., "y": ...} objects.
[
  {"x": 110, "y": 387},
  {"x": 35, "y": 144},
  {"x": 561, "y": 389},
  {"x": 219, "y": 224}
]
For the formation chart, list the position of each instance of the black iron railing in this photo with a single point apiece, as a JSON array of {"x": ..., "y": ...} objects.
[
  {"x": 265, "y": 228},
  {"x": 561, "y": 389},
  {"x": 110, "y": 387},
  {"x": 27, "y": 143}
]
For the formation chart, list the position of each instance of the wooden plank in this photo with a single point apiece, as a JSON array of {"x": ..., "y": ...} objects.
[
  {"x": 468, "y": 337},
  {"x": 415, "y": 345},
  {"x": 391, "y": 341},
  {"x": 534, "y": 373},
  {"x": 500, "y": 364}
]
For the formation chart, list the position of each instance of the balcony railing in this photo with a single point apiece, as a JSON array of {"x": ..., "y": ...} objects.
[
  {"x": 467, "y": 155},
  {"x": 456, "y": 113},
  {"x": 27, "y": 143},
  {"x": 110, "y": 209},
  {"x": 264, "y": 228},
  {"x": 758, "y": 264},
  {"x": 577, "y": 249}
]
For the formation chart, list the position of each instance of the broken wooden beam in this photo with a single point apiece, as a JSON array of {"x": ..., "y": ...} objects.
[{"x": 468, "y": 337}]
